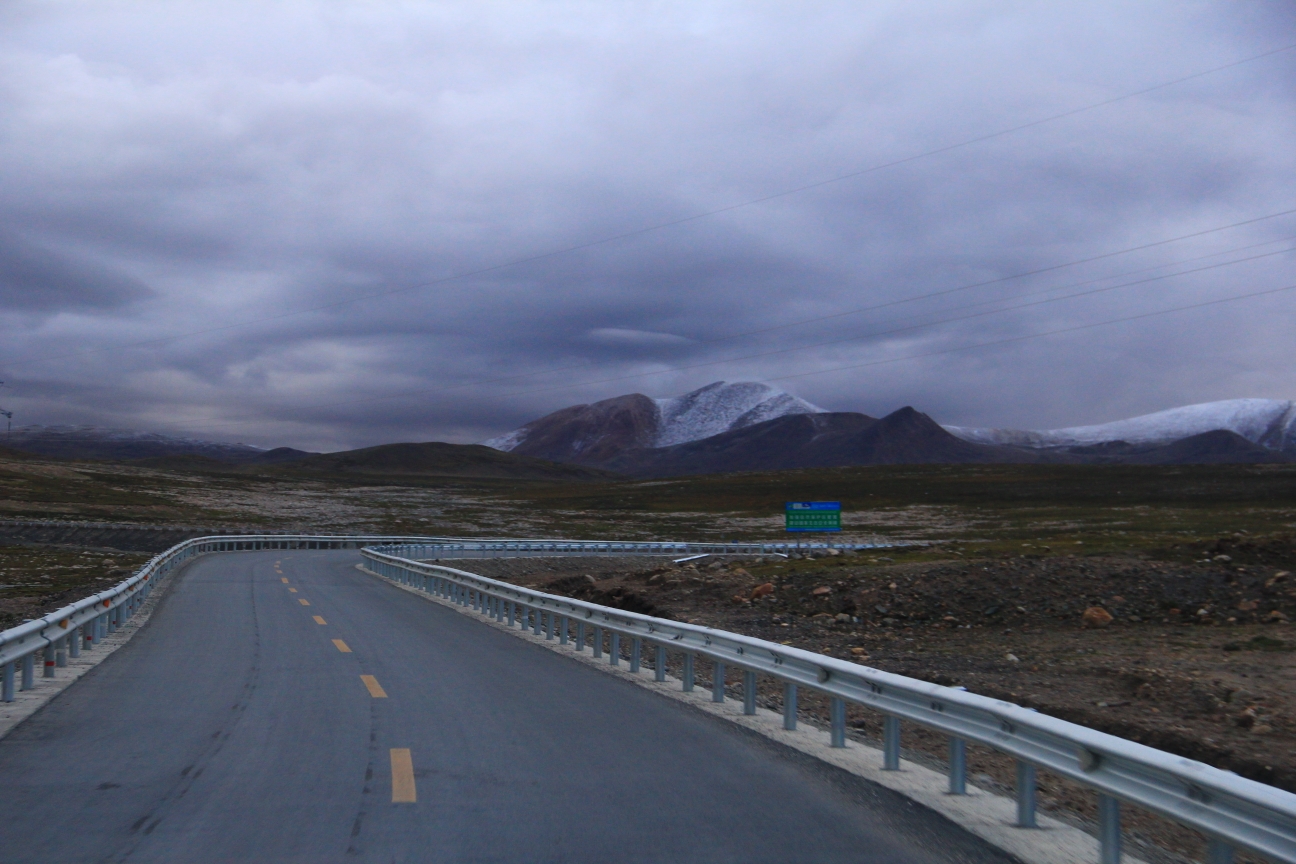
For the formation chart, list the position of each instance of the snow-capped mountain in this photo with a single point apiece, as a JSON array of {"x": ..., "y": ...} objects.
[
  {"x": 1268, "y": 422},
  {"x": 597, "y": 432},
  {"x": 722, "y": 407}
]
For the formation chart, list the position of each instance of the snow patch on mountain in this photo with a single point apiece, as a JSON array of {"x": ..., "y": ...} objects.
[
  {"x": 722, "y": 407},
  {"x": 508, "y": 440},
  {"x": 707, "y": 411},
  {"x": 1269, "y": 422}
]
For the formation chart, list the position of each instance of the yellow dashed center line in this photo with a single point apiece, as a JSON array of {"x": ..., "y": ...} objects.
[
  {"x": 303, "y": 602},
  {"x": 375, "y": 689},
  {"x": 341, "y": 646},
  {"x": 284, "y": 580},
  {"x": 319, "y": 620},
  {"x": 292, "y": 590},
  {"x": 402, "y": 765}
]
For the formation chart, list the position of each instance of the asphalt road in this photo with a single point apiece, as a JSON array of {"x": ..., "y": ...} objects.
[{"x": 234, "y": 728}]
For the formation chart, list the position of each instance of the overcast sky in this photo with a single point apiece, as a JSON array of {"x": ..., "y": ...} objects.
[{"x": 329, "y": 225}]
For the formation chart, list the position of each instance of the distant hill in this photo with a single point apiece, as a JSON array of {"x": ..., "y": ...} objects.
[
  {"x": 814, "y": 441},
  {"x": 1270, "y": 423},
  {"x": 97, "y": 442},
  {"x": 1216, "y": 447},
  {"x": 437, "y": 459}
]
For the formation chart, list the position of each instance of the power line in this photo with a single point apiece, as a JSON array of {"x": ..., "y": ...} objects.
[
  {"x": 639, "y": 232},
  {"x": 878, "y": 334},
  {"x": 860, "y": 310},
  {"x": 871, "y": 335},
  {"x": 1007, "y": 341}
]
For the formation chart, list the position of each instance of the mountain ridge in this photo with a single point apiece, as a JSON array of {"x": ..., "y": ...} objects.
[
  {"x": 1270, "y": 423},
  {"x": 592, "y": 433}
]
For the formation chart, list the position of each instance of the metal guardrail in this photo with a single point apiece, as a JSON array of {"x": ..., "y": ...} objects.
[
  {"x": 465, "y": 548},
  {"x": 83, "y": 625},
  {"x": 1235, "y": 813}
]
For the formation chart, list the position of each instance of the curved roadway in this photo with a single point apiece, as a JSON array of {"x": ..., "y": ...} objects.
[{"x": 234, "y": 727}]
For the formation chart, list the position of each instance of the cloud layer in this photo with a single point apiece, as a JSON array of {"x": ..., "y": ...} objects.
[{"x": 251, "y": 222}]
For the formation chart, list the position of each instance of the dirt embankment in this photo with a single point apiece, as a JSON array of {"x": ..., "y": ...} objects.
[
  {"x": 1198, "y": 658},
  {"x": 99, "y": 535}
]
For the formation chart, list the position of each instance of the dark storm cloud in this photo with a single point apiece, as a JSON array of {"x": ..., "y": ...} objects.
[
  {"x": 205, "y": 189},
  {"x": 35, "y": 278}
]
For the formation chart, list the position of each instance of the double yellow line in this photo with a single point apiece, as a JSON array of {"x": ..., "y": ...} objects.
[{"x": 404, "y": 790}]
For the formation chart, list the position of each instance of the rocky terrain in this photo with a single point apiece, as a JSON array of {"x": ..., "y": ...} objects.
[{"x": 1188, "y": 650}]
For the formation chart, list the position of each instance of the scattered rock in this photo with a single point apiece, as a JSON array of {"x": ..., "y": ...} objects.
[
  {"x": 821, "y": 591},
  {"x": 1012, "y": 658},
  {"x": 843, "y": 618},
  {"x": 590, "y": 579},
  {"x": 859, "y": 653},
  {"x": 1095, "y": 617},
  {"x": 1248, "y": 605},
  {"x": 762, "y": 590},
  {"x": 1276, "y": 617}
]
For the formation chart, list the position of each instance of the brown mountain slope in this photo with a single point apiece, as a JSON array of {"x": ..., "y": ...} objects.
[
  {"x": 591, "y": 434},
  {"x": 438, "y": 459},
  {"x": 815, "y": 441}
]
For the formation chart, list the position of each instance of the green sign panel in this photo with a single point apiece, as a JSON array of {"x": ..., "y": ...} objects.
[{"x": 813, "y": 515}]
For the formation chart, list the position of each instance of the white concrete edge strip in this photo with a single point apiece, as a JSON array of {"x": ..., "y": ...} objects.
[
  {"x": 983, "y": 814},
  {"x": 28, "y": 702}
]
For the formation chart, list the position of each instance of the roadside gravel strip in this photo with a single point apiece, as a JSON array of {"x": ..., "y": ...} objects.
[
  {"x": 28, "y": 702},
  {"x": 981, "y": 813}
]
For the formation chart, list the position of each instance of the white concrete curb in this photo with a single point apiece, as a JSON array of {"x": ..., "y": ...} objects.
[{"x": 988, "y": 816}]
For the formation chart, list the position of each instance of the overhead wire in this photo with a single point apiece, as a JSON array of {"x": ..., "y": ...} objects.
[
  {"x": 876, "y": 334},
  {"x": 859, "y": 310},
  {"x": 660, "y": 226}
]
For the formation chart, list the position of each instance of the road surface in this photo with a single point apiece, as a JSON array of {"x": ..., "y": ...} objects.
[{"x": 284, "y": 707}]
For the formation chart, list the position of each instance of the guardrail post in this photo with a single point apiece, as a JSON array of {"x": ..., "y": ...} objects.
[
  {"x": 60, "y": 652},
  {"x": 749, "y": 692},
  {"x": 837, "y": 711},
  {"x": 580, "y": 635},
  {"x": 7, "y": 687},
  {"x": 112, "y": 620},
  {"x": 1025, "y": 795},
  {"x": 538, "y": 621},
  {"x": 74, "y": 642},
  {"x": 29, "y": 671},
  {"x": 717, "y": 681},
  {"x": 549, "y": 626},
  {"x": 890, "y": 743},
  {"x": 598, "y": 642},
  {"x": 636, "y": 650},
  {"x": 789, "y": 706},
  {"x": 688, "y": 673},
  {"x": 1218, "y": 852},
  {"x": 659, "y": 665},
  {"x": 1109, "y": 829},
  {"x": 614, "y": 649},
  {"x": 511, "y": 610},
  {"x": 957, "y": 766},
  {"x": 562, "y": 630}
]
